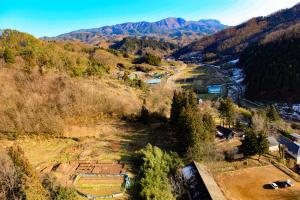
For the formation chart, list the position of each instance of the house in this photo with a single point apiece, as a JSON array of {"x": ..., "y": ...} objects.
[
  {"x": 224, "y": 133},
  {"x": 273, "y": 144},
  {"x": 295, "y": 137},
  {"x": 214, "y": 89},
  {"x": 291, "y": 147},
  {"x": 153, "y": 81}
]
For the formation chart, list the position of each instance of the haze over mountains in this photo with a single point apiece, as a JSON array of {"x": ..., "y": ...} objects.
[
  {"x": 230, "y": 42},
  {"x": 170, "y": 27}
]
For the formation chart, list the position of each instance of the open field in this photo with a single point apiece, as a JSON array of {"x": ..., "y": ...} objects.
[
  {"x": 251, "y": 184},
  {"x": 199, "y": 77},
  {"x": 109, "y": 141},
  {"x": 100, "y": 185}
]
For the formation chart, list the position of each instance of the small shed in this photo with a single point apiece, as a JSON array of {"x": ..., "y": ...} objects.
[
  {"x": 273, "y": 144},
  {"x": 225, "y": 133},
  {"x": 214, "y": 89},
  {"x": 153, "y": 81}
]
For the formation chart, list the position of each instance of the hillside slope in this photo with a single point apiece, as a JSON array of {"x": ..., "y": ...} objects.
[
  {"x": 230, "y": 42},
  {"x": 45, "y": 85},
  {"x": 272, "y": 66}
]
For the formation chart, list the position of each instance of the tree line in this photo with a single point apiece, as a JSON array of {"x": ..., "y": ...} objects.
[{"x": 193, "y": 130}]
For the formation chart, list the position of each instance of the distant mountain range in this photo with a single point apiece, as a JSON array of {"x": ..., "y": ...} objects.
[
  {"x": 166, "y": 28},
  {"x": 229, "y": 43}
]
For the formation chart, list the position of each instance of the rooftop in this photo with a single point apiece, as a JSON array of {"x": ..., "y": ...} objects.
[
  {"x": 295, "y": 135},
  {"x": 153, "y": 81}
]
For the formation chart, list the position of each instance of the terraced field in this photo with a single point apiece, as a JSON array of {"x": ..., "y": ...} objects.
[{"x": 99, "y": 185}]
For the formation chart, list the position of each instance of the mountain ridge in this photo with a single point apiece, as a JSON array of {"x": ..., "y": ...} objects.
[{"x": 170, "y": 27}]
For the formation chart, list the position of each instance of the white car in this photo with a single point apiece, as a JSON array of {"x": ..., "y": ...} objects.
[
  {"x": 274, "y": 185},
  {"x": 289, "y": 183}
]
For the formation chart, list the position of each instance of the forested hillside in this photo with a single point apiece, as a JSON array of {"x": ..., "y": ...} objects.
[
  {"x": 143, "y": 45},
  {"x": 272, "y": 67},
  {"x": 229, "y": 43}
]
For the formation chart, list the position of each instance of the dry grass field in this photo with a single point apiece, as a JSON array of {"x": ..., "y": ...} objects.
[
  {"x": 107, "y": 141},
  {"x": 251, "y": 184}
]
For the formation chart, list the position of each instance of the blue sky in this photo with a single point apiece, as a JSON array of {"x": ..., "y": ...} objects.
[{"x": 50, "y": 18}]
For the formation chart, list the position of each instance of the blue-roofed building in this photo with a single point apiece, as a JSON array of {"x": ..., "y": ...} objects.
[
  {"x": 214, "y": 89},
  {"x": 153, "y": 81},
  {"x": 291, "y": 147}
]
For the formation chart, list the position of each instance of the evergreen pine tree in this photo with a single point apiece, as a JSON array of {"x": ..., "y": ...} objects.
[{"x": 272, "y": 113}]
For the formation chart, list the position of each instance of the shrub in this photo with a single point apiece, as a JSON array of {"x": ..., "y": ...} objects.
[
  {"x": 295, "y": 126},
  {"x": 272, "y": 113},
  {"x": 58, "y": 192},
  {"x": 121, "y": 65},
  {"x": 9, "y": 56},
  {"x": 96, "y": 69},
  {"x": 64, "y": 193},
  {"x": 152, "y": 59}
]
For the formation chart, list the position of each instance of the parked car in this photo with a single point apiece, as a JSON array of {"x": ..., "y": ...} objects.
[
  {"x": 274, "y": 185},
  {"x": 281, "y": 184},
  {"x": 289, "y": 183},
  {"x": 284, "y": 184}
]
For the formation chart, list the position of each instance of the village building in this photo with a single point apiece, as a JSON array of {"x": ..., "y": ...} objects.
[
  {"x": 292, "y": 148},
  {"x": 214, "y": 89},
  {"x": 295, "y": 137},
  {"x": 273, "y": 144},
  {"x": 225, "y": 133}
]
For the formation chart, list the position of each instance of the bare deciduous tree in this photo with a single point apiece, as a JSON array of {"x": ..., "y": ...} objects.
[{"x": 9, "y": 183}]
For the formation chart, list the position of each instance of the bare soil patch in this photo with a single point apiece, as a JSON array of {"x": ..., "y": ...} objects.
[{"x": 95, "y": 167}]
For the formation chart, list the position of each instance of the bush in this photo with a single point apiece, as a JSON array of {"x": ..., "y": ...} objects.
[
  {"x": 295, "y": 126},
  {"x": 58, "y": 192},
  {"x": 120, "y": 66},
  {"x": 77, "y": 71},
  {"x": 64, "y": 193},
  {"x": 9, "y": 56},
  {"x": 272, "y": 113},
  {"x": 152, "y": 59}
]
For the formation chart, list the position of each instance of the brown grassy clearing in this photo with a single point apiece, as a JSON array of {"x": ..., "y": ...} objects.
[
  {"x": 32, "y": 103},
  {"x": 250, "y": 184}
]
